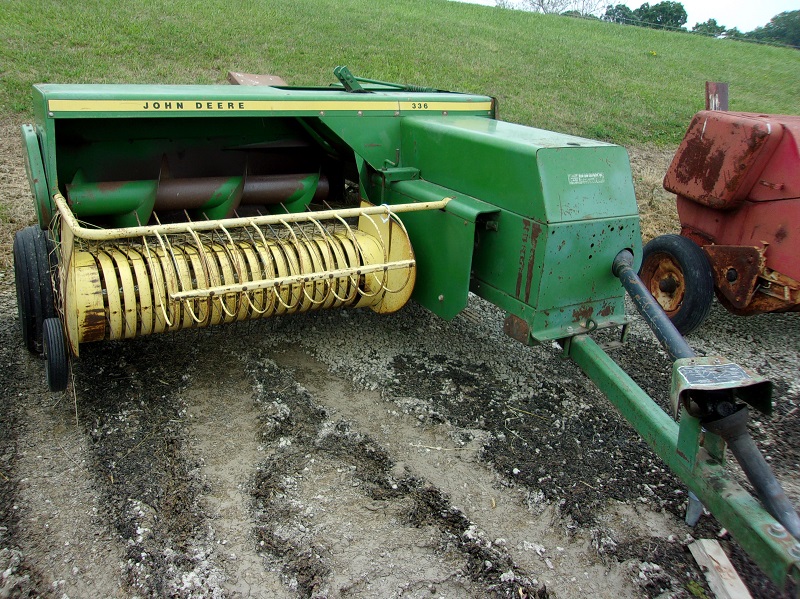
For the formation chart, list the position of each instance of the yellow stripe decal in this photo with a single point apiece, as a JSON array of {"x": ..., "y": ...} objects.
[
  {"x": 155, "y": 105},
  {"x": 445, "y": 106}
]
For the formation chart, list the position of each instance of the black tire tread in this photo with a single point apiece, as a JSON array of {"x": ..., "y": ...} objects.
[
  {"x": 55, "y": 353},
  {"x": 27, "y": 318}
]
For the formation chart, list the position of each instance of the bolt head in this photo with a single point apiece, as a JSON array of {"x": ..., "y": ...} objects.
[{"x": 777, "y": 530}]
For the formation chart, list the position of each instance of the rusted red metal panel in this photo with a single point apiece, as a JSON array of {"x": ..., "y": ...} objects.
[
  {"x": 780, "y": 179},
  {"x": 721, "y": 157},
  {"x": 774, "y": 225},
  {"x": 736, "y": 270}
]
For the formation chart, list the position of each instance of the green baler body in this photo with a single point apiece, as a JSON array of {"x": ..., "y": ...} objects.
[{"x": 534, "y": 224}]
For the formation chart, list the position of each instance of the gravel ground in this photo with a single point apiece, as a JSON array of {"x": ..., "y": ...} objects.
[{"x": 346, "y": 454}]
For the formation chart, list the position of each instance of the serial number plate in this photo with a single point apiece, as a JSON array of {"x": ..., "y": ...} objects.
[{"x": 713, "y": 374}]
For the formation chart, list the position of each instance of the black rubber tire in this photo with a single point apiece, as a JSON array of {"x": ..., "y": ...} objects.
[
  {"x": 27, "y": 318},
  {"x": 43, "y": 244},
  {"x": 678, "y": 274},
  {"x": 54, "y": 347},
  {"x": 32, "y": 275}
]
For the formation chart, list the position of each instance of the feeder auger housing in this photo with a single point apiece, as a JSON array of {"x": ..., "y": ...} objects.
[{"x": 164, "y": 208}]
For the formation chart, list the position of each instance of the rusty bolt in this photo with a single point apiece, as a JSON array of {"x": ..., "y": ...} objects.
[
  {"x": 731, "y": 275},
  {"x": 777, "y": 530},
  {"x": 794, "y": 551}
]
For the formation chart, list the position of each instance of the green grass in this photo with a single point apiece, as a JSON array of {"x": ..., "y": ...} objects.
[{"x": 624, "y": 84}]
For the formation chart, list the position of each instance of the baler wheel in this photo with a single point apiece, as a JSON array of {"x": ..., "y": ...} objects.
[
  {"x": 56, "y": 367},
  {"x": 35, "y": 298},
  {"x": 25, "y": 310},
  {"x": 678, "y": 274}
]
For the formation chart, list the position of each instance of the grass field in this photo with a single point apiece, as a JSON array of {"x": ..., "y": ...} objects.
[{"x": 629, "y": 85}]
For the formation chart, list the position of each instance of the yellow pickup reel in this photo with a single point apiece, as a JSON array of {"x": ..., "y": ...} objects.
[{"x": 130, "y": 282}]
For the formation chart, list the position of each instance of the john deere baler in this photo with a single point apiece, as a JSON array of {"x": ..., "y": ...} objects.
[{"x": 164, "y": 208}]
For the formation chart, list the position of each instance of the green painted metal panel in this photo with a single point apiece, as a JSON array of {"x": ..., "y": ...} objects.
[
  {"x": 580, "y": 183},
  {"x": 578, "y": 258},
  {"x": 37, "y": 177},
  {"x": 443, "y": 241},
  {"x": 504, "y": 164},
  {"x": 376, "y": 141},
  {"x": 556, "y": 277}
]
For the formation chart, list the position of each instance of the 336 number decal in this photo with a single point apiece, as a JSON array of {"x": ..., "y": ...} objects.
[{"x": 419, "y": 105}]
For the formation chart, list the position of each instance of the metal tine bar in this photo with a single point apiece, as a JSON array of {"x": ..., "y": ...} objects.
[
  {"x": 289, "y": 280},
  {"x": 98, "y": 234}
]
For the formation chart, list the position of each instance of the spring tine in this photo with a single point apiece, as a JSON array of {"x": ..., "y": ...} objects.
[
  {"x": 269, "y": 271},
  {"x": 198, "y": 272},
  {"x": 234, "y": 256},
  {"x": 309, "y": 244},
  {"x": 206, "y": 270},
  {"x": 299, "y": 268},
  {"x": 158, "y": 288},
  {"x": 352, "y": 290},
  {"x": 324, "y": 235},
  {"x": 353, "y": 280}
]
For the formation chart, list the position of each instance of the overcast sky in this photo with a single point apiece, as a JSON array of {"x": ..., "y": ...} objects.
[{"x": 744, "y": 14}]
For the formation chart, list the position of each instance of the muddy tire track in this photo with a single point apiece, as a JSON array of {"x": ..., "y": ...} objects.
[{"x": 370, "y": 519}]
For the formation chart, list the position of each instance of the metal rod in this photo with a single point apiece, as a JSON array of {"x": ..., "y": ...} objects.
[
  {"x": 269, "y": 219},
  {"x": 648, "y": 307},
  {"x": 733, "y": 429},
  {"x": 291, "y": 280}
]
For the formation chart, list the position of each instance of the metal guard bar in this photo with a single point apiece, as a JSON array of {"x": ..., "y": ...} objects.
[
  {"x": 291, "y": 280},
  {"x": 761, "y": 536},
  {"x": 271, "y": 219}
]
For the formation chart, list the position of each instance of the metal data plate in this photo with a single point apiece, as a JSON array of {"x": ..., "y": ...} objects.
[{"x": 715, "y": 373}]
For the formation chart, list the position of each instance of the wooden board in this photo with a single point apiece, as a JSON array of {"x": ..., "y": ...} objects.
[{"x": 720, "y": 573}]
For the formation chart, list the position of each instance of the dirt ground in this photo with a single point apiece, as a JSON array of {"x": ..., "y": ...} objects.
[{"x": 347, "y": 454}]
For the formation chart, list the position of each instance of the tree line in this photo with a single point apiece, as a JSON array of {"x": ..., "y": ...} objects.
[{"x": 782, "y": 29}]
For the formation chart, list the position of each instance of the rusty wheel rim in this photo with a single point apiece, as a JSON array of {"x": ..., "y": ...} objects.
[{"x": 665, "y": 280}]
